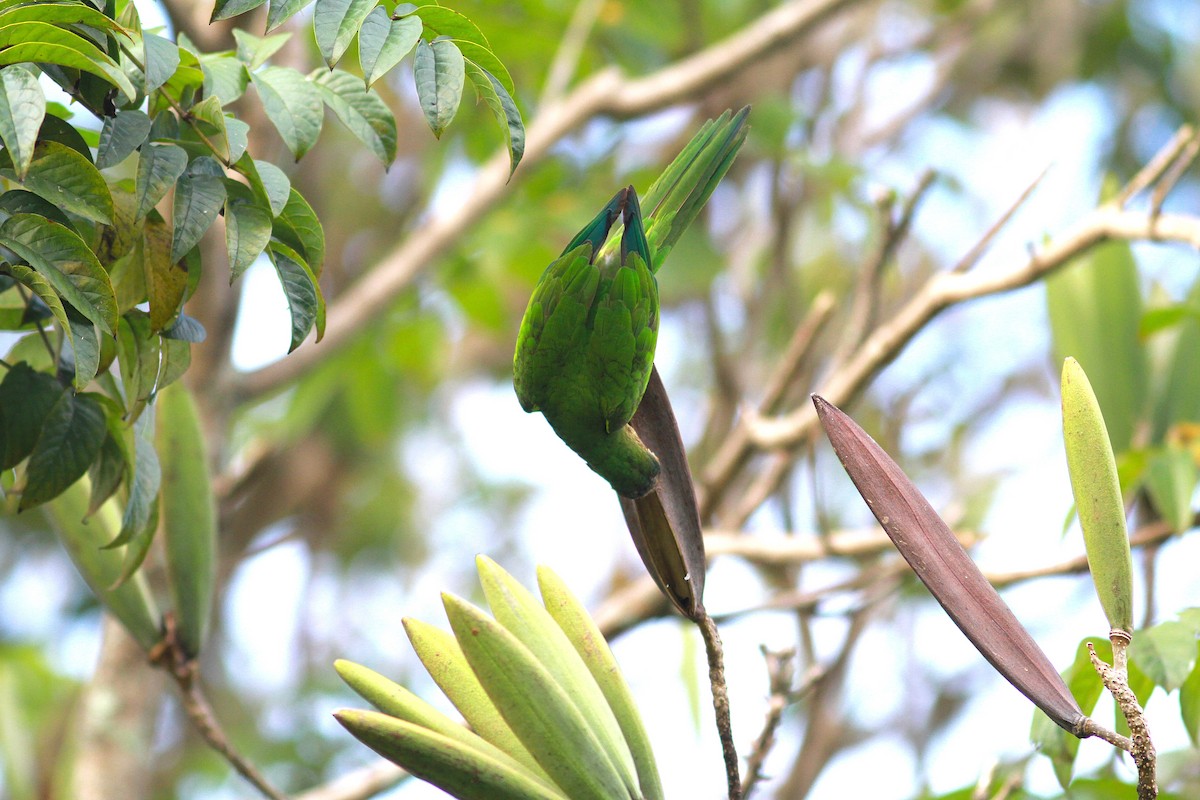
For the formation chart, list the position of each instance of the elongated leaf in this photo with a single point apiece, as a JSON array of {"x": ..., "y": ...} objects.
[
  {"x": 22, "y": 108},
  {"x": 396, "y": 701},
  {"x": 335, "y": 22},
  {"x": 114, "y": 464},
  {"x": 447, "y": 22},
  {"x": 298, "y": 227},
  {"x": 1097, "y": 493},
  {"x": 224, "y": 9},
  {"x": 274, "y": 183},
  {"x": 444, "y": 660},
  {"x": 225, "y": 77},
  {"x": 166, "y": 280},
  {"x": 492, "y": 92},
  {"x": 85, "y": 349},
  {"x": 304, "y": 299},
  {"x": 43, "y": 43},
  {"x": 198, "y": 200},
  {"x": 60, "y": 256},
  {"x": 517, "y": 610},
  {"x": 69, "y": 442},
  {"x": 570, "y": 615},
  {"x": 534, "y": 705},
  {"x": 140, "y": 518},
  {"x": 161, "y": 61},
  {"x": 121, "y": 135},
  {"x": 361, "y": 110},
  {"x": 138, "y": 354},
  {"x": 26, "y": 397},
  {"x": 44, "y": 291},
  {"x": 1170, "y": 481},
  {"x": 68, "y": 180},
  {"x": 255, "y": 50},
  {"x": 159, "y": 168},
  {"x": 1189, "y": 703},
  {"x": 292, "y": 104},
  {"x": 383, "y": 42},
  {"x": 131, "y": 602},
  {"x": 280, "y": 11},
  {"x": 188, "y": 515},
  {"x": 247, "y": 232},
  {"x": 938, "y": 559},
  {"x": 1166, "y": 653},
  {"x": 60, "y": 13},
  {"x": 19, "y": 201},
  {"x": 440, "y": 73},
  {"x": 211, "y": 121},
  {"x": 452, "y": 766},
  {"x": 1095, "y": 308}
]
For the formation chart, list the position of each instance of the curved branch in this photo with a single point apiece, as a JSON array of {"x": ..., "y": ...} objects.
[{"x": 607, "y": 93}]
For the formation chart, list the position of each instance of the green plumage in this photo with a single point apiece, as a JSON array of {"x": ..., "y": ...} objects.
[{"x": 586, "y": 345}]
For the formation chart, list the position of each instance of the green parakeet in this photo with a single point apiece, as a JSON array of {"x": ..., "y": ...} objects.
[{"x": 586, "y": 344}]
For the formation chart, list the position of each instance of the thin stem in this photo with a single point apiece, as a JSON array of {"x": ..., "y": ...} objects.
[
  {"x": 1139, "y": 745},
  {"x": 171, "y": 657},
  {"x": 720, "y": 695}
]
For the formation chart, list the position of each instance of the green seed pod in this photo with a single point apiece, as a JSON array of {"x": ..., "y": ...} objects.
[
  {"x": 188, "y": 510},
  {"x": 1098, "y": 500},
  {"x": 130, "y": 602}
]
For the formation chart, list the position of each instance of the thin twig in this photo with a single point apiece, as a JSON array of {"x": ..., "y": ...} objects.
[
  {"x": 1172, "y": 175},
  {"x": 779, "y": 683},
  {"x": 720, "y": 696},
  {"x": 359, "y": 784},
  {"x": 1156, "y": 166},
  {"x": 570, "y": 48},
  {"x": 170, "y": 656},
  {"x": 972, "y": 256}
]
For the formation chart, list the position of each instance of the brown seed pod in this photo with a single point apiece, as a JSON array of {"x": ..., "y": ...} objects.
[{"x": 944, "y": 567}]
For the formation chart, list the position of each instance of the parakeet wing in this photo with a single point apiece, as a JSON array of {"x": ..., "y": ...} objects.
[{"x": 620, "y": 351}]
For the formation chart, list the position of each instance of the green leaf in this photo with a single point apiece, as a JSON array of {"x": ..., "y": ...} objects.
[
  {"x": 247, "y": 232},
  {"x": 138, "y": 354},
  {"x": 62, "y": 176},
  {"x": 255, "y": 50},
  {"x": 292, "y": 104},
  {"x": 166, "y": 279},
  {"x": 1081, "y": 678},
  {"x": 305, "y": 303},
  {"x": 210, "y": 120},
  {"x": 121, "y": 135},
  {"x": 361, "y": 110},
  {"x": 26, "y": 397},
  {"x": 198, "y": 199},
  {"x": 43, "y": 290},
  {"x": 298, "y": 227},
  {"x": 186, "y": 329},
  {"x": 383, "y": 42},
  {"x": 1170, "y": 481},
  {"x": 161, "y": 61},
  {"x": 335, "y": 22},
  {"x": 1093, "y": 471},
  {"x": 65, "y": 260},
  {"x": 1166, "y": 653},
  {"x": 1189, "y": 703},
  {"x": 40, "y": 42},
  {"x": 1095, "y": 308},
  {"x": 275, "y": 184},
  {"x": 69, "y": 442},
  {"x": 224, "y": 9},
  {"x": 280, "y": 11},
  {"x": 225, "y": 77},
  {"x": 136, "y": 531},
  {"x": 109, "y": 469},
  {"x": 159, "y": 167},
  {"x": 22, "y": 108},
  {"x": 85, "y": 349},
  {"x": 492, "y": 92},
  {"x": 19, "y": 201},
  {"x": 176, "y": 358},
  {"x": 440, "y": 73}
]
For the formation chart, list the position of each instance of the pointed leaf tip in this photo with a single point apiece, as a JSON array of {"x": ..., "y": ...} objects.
[{"x": 938, "y": 559}]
